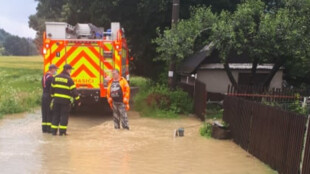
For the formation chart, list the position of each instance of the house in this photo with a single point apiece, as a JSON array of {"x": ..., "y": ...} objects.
[{"x": 206, "y": 66}]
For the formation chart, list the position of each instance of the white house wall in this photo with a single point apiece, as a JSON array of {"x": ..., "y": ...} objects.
[
  {"x": 217, "y": 80},
  {"x": 277, "y": 80}
]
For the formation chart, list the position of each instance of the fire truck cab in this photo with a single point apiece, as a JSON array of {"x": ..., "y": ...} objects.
[{"x": 92, "y": 51}]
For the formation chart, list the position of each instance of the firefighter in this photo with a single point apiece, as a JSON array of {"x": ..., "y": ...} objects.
[
  {"x": 46, "y": 98},
  {"x": 118, "y": 97},
  {"x": 63, "y": 91}
]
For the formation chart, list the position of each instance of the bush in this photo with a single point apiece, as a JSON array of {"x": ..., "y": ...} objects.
[
  {"x": 295, "y": 106},
  {"x": 159, "y": 101},
  {"x": 206, "y": 130},
  {"x": 214, "y": 111},
  {"x": 140, "y": 82}
]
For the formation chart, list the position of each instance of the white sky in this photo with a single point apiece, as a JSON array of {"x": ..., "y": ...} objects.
[{"x": 14, "y": 16}]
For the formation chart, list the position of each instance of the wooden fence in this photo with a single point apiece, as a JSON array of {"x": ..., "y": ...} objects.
[
  {"x": 199, "y": 94},
  {"x": 274, "y": 136}
]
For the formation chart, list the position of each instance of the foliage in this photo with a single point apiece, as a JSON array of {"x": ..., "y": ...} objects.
[
  {"x": 19, "y": 87},
  {"x": 158, "y": 101},
  {"x": 140, "y": 82},
  {"x": 238, "y": 30},
  {"x": 2, "y": 51},
  {"x": 14, "y": 45},
  {"x": 295, "y": 106},
  {"x": 3, "y": 36},
  {"x": 214, "y": 111},
  {"x": 206, "y": 130},
  {"x": 179, "y": 41},
  {"x": 280, "y": 37}
]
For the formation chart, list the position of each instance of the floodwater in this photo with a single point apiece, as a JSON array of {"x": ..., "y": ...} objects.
[{"x": 93, "y": 146}]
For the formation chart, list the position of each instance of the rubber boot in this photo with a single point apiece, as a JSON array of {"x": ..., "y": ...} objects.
[
  {"x": 54, "y": 131},
  {"x": 63, "y": 132}
]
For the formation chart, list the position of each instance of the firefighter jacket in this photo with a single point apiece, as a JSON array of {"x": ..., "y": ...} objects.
[
  {"x": 63, "y": 89},
  {"x": 125, "y": 89}
]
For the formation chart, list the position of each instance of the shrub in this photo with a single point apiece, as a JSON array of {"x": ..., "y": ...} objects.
[
  {"x": 214, "y": 111},
  {"x": 206, "y": 130},
  {"x": 158, "y": 100},
  {"x": 140, "y": 82}
]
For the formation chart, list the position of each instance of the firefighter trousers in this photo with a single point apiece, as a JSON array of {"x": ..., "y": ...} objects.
[
  {"x": 120, "y": 115},
  {"x": 46, "y": 112},
  {"x": 60, "y": 118}
]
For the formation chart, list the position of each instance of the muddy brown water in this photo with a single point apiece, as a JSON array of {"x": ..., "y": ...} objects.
[{"x": 93, "y": 146}]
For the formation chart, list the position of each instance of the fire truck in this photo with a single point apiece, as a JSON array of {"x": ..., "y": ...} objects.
[{"x": 92, "y": 51}]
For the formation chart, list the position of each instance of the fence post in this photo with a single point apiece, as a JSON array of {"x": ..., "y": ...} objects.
[{"x": 305, "y": 145}]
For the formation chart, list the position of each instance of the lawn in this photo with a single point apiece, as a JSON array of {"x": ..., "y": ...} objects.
[{"x": 20, "y": 83}]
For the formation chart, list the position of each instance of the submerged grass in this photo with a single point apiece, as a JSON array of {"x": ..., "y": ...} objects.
[{"x": 20, "y": 80}]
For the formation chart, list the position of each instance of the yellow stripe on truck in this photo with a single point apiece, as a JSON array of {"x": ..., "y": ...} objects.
[{"x": 117, "y": 61}]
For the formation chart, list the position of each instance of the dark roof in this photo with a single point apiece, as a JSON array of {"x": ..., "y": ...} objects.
[
  {"x": 206, "y": 56},
  {"x": 191, "y": 63}
]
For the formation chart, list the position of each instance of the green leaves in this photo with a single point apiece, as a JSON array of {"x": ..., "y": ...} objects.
[{"x": 178, "y": 42}]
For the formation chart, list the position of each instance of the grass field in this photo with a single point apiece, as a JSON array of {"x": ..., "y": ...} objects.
[{"x": 20, "y": 83}]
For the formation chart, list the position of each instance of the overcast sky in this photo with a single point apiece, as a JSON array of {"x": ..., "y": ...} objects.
[{"x": 14, "y": 16}]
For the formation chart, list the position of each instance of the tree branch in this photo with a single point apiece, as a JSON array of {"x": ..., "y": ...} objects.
[
  {"x": 229, "y": 74},
  {"x": 274, "y": 70}
]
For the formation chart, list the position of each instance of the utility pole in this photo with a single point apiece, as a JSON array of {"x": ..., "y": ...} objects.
[{"x": 172, "y": 67}]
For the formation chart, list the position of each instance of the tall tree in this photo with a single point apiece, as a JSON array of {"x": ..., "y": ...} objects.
[
  {"x": 14, "y": 45},
  {"x": 276, "y": 34}
]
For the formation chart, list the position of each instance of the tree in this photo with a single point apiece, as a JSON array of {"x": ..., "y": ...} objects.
[
  {"x": 179, "y": 41},
  {"x": 276, "y": 33},
  {"x": 14, "y": 45},
  {"x": 279, "y": 37},
  {"x": 237, "y": 32}
]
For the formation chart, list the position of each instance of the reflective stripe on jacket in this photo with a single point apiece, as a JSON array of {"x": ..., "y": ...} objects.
[{"x": 63, "y": 89}]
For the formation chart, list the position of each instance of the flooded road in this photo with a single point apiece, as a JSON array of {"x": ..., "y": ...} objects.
[{"x": 93, "y": 146}]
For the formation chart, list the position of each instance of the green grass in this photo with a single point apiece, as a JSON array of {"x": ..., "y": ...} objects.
[{"x": 20, "y": 83}]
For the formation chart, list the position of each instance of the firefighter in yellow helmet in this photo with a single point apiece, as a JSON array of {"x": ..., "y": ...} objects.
[
  {"x": 63, "y": 90},
  {"x": 118, "y": 94}
]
